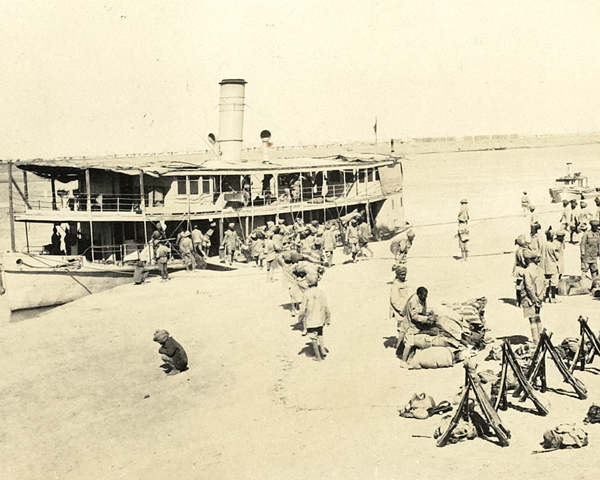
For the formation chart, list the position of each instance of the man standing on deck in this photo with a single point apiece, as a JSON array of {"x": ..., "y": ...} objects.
[
  {"x": 533, "y": 293},
  {"x": 590, "y": 250}
]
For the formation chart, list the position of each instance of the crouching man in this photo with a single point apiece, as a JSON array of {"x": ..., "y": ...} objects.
[{"x": 171, "y": 352}]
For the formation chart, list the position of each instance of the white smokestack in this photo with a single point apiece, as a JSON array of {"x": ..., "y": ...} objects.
[{"x": 231, "y": 119}]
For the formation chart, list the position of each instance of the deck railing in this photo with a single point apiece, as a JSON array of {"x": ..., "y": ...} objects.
[
  {"x": 133, "y": 203},
  {"x": 98, "y": 203}
]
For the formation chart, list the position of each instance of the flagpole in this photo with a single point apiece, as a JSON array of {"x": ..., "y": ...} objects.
[{"x": 375, "y": 130}]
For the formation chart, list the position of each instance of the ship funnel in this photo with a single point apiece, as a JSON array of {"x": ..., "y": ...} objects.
[
  {"x": 231, "y": 119},
  {"x": 569, "y": 171}
]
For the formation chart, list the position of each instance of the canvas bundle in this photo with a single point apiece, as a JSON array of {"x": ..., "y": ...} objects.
[{"x": 566, "y": 435}]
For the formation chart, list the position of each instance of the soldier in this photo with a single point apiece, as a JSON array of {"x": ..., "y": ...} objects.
[
  {"x": 352, "y": 239},
  {"x": 585, "y": 215},
  {"x": 398, "y": 297},
  {"x": 315, "y": 315},
  {"x": 162, "y": 259},
  {"x": 186, "y": 248},
  {"x": 416, "y": 318},
  {"x": 328, "y": 244},
  {"x": 520, "y": 266},
  {"x": 560, "y": 238},
  {"x": 590, "y": 245},
  {"x": 171, "y": 353},
  {"x": 550, "y": 258},
  {"x": 197, "y": 239},
  {"x": 232, "y": 243},
  {"x": 525, "y": 204},
  {"x": 533, "y": 293},
  {"x": 573, "y": 221},
  {"x": 533, "y": 220},
  {"x": 463, "y": 212},
  {"x": 463, "y": 240},
  {"x": 364, "y": 235},
  {"x": 564, "y": 219}
]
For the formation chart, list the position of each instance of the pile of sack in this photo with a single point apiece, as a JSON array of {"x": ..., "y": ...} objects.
[{"x": 465, "y": 322}]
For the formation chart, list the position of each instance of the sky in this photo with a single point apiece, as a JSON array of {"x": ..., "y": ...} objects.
[{"x": 114, "y": 77}]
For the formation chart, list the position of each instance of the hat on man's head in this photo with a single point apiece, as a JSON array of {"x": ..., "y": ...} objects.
[
  {"x": 401, "y": 270},
  {"x": 410, "y": 234},
  {"x": 583, "y": 204},
  {"x": 565, "y": 203},
  {"x": 594, "y": 222},
  {"x": 232, "y": 225},
  {"x": 521, "y": 240},
  {"x": 160, "y": 335},
  {"x": 464, "y": 200},
  {"x": 531, "y": 254},
  {"x": 524, "y": 193},
  {"x": 561, "y": 233},
  {"x": 186, "y": 233}
]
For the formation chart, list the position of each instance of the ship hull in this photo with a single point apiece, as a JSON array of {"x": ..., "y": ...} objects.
[{"x": 34, "y": 281}]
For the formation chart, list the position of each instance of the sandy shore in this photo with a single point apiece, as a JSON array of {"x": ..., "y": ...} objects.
[{"x": 82, "y": 395}]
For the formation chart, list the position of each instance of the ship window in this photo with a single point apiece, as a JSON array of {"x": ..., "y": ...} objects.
[
  {"x": 193, "y": 185},
  {"x": 181, "y": 188},
  {"x": 333, "y": 176},
  {"x": 206, "y": 185},
  {"x": 377, "y": 174},
  {"x": 370, "y": 175},
  {"x": 361, "y": 176}
]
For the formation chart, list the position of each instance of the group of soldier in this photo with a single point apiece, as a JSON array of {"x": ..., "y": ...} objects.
[{"x": 539, "y": 262}]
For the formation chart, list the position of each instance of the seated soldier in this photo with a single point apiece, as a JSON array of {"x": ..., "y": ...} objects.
[{"x": 416, "y": 319}]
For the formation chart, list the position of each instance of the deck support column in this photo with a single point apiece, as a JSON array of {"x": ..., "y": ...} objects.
[
  {"x": 25, "y": 187},
  {"x": 53, "y": 184},
  {"x": 88, "y": 191},
  {"x": 143, "y": 207},
  {"x": 11, "y": 209}
]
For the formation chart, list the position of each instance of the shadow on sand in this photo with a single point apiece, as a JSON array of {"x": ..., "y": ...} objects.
[{"x": 509, "y": 301}]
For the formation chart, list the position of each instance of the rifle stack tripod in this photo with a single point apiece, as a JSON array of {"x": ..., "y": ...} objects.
[{"x": 536, "y": 373}]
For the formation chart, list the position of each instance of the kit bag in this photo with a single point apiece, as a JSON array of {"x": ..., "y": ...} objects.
[
  {"x": 593, "y": 415},
  {"x": 566, "y": 435}
]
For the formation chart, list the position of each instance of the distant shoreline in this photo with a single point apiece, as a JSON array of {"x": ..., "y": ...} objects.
[{"x": 396, "y": 146}]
